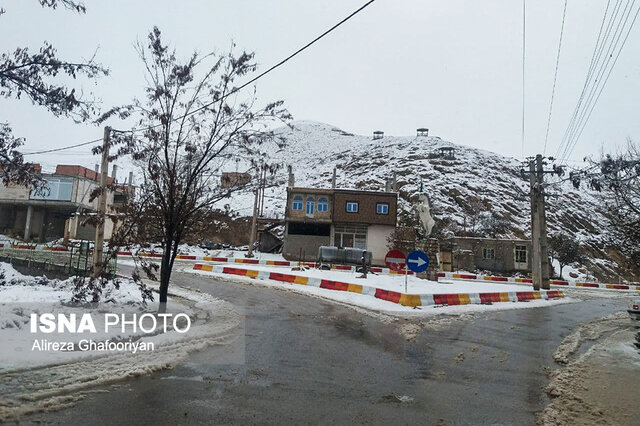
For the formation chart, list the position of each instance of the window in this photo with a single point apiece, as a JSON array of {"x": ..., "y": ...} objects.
[
  {"x": 310, "y": 206},
  {"x": 352, "y": 207},
  {"x": 297, "y": 202},
  {"x": 521, "y": 254},
  {"x": 323, "y": 205},
  {"x": 350, "y": 236},
  {"x": 317, "y": 229},
  {"x": 57, "y": 189},
  {"x": 382, "y": 208},
  {"x": 488, "y": 253}
]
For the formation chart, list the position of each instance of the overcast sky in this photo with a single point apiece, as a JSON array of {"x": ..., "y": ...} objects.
[{"x": 453, "y": 66}]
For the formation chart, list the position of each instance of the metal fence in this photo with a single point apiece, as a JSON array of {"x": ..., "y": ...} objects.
[{"x": 75, "y": 261}]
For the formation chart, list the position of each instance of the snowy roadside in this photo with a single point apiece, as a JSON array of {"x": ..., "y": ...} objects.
[
  {"x": 379, "y": 305},
  {"x": 596, "y": 386},
  {"x": 35, "y": 380}
]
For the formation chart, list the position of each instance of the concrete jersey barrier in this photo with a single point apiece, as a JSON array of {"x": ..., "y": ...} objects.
[{"x": 411, "y": 300}]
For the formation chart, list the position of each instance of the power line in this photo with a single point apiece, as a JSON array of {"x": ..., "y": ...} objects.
[
  {"x": 282, "y": 62},
  {"x": 63, "y": 148},
  {"x": 555, "y": 77},
  {"x": 599, "y": 84},
  {"x": 588, "y": 77},
  {"x": 524, "y": 23},
  {"x": 615, "y": 38},
  {"x": 583, "y": 124},
  {"x": 228, "y": 94}
]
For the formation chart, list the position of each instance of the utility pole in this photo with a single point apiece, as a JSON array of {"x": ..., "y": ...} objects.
[
  {"x": 102, "y": 207},
  {"x": 262, "y": 188},
  {"x": 536, "y": 272},
  {"x": 542, "y": 223},
  {"x": 254, "y": 220},
  {"x": 539, "y": 247}
]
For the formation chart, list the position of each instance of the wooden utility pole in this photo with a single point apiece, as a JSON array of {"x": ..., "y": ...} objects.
[
  {"x": 254, "y": 220},
  {"x": 256, "y": 206},
  {"x": 262, "y": 188},
  {"x": 102, "y": 207}
]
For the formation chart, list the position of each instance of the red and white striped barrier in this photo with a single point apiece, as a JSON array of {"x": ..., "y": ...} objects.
[
  {"x": 411, "y": 300},
  {"x": 516, "y": 280},
  {"x": 266, "y": 262},
  {"x": 240, "y": 260}
]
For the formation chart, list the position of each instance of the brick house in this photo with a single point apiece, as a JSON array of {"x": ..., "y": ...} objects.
[
  {"x": 490, "y": 254},
  {"x": 61, "y": 210},
  {"x": 338, "y": 217}
]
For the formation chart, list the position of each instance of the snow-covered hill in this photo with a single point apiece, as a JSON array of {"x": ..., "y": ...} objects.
[{"x": 462, "y": 191}]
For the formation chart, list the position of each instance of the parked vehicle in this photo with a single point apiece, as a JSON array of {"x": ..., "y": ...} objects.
[
  {"x": 328, "y": 255},
  {"x": 210, "y": 245}
]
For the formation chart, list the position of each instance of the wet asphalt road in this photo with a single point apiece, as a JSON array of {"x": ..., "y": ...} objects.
[{"x": 308, "y": 361}]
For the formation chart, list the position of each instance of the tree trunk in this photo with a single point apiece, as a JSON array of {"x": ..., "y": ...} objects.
[
  {"x": 165, "y": 276},
  {"x": 561, "y": 266}
]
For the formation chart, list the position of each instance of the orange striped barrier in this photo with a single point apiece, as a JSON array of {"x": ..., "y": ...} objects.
[
  {"x": 410, "y": 300},
  {"x": 518, "y": 280}
]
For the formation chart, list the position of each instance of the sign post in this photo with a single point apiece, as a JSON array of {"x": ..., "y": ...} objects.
[
  {"x": 397, "y": 261},
  {"x": 418, "y": 262},
  {"x": 406, "y": 272}
]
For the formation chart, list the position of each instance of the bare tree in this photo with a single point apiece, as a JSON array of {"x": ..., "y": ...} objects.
[
  {"x": 619, "y": 182},
  {"x": 194, "y": 123},
  {"x": 36, "y": 76}
]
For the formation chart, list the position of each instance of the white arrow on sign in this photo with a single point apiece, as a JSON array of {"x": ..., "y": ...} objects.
[{"x": 419, "y": 261}]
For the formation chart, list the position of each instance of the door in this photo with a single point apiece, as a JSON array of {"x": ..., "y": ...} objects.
[{"x": 520, "y": 258}]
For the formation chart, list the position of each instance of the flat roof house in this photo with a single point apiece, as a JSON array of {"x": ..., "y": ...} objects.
[
  {"x": 50, "y": 214},
  {"x": 317, "y": 217},
  {"x": 490, "y": 254}
]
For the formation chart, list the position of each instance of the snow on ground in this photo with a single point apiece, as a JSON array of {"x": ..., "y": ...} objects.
[
  {"x": 7, "y": 240},
  {"x": 415, "y": 285},
  {"x": 378, "y": 305},
  {"x": 63, "y": 377},
  {"x": 21, "y": 295},
  {"x": 569, "y": 272}
]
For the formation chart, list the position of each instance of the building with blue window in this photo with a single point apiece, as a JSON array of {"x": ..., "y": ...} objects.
[
  {"x": 60, "y": 209},
  {"x": 317, "y": 217}
]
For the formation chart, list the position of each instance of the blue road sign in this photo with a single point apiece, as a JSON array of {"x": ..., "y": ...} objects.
[{"x": 417, "y": 261}]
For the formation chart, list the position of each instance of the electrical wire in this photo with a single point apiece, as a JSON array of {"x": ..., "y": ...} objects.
[
  {"x": 588, "y": 77},
  {"x": 583, "y": 125},
  {"x": 282, "y": 62},
  {"x": 599, "y": 73},
  {"x": 62, "y": 148},
  {"x": 524, "y": 32},
  {"x": 253, "y": 80},
  {"x": 615, "y": 38},
  {"x": 555, "y": 78}
]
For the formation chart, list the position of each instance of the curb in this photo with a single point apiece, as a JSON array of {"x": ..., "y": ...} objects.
[
  {"x": 268, "y": 262},
  {"x": 411, "y": 300},
  {"x": 516, "y": 280},
  {"x": 231, "y": 260}
]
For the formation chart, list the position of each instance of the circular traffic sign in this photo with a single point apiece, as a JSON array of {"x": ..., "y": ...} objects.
[
  {"x": 417, "y": 261},
  {"x": 395, "y": 260}
]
